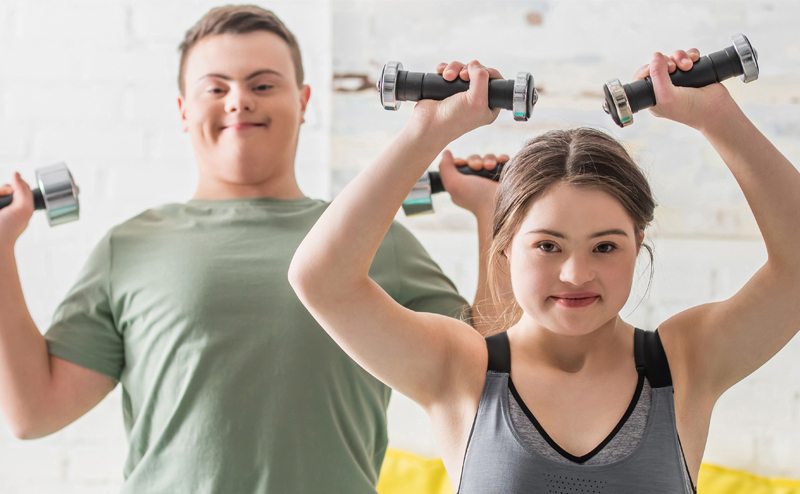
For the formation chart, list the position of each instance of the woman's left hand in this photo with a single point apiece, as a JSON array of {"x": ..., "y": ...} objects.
[{"x": 689, "y": 106}]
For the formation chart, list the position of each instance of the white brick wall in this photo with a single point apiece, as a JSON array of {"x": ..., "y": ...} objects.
[{"x": 93, "y": 83}]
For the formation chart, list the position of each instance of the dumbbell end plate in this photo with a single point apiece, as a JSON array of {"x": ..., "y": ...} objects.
[
  {"x": 60, "y": 194},
  {"x": 747, "y": 55},
  {"x": 387, "y": 85},
  {"x": 525, "y": 96},
  {"x": 616, "y": 103}
]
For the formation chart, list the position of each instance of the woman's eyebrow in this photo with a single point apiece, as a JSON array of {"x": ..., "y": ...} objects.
[
  {"x": 553, "y": 233},
  {"x": 609, "y": 232}
]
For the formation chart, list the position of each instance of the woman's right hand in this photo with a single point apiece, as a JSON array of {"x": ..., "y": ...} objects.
[
  {"x": 14, "y": 218},
  {"x": 464, "y": 111}
]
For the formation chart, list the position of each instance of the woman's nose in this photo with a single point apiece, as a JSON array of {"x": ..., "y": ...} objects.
[{"x": 577, "y": 270}]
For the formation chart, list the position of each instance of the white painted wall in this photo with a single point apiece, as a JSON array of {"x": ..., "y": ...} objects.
[{"x": 93, "y": 83}]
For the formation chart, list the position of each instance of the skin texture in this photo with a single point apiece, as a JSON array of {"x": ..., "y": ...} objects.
[{"x": 573, "y": 366}]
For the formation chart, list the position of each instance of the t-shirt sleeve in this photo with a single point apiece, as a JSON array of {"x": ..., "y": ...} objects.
[
  {"x": 419, "y": 283},
  {"x": 83, "y": 330}
]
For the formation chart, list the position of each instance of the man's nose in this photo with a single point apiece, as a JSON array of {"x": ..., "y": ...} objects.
[
  {"x": 238, "y": 100},
  {"x": 577, "y": 270}
]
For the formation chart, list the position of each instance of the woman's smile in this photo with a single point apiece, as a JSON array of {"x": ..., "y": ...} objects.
[{"x": 576, "y": 300}]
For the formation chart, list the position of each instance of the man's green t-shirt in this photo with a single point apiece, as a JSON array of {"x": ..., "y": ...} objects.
[{"x": 229, "y": 385}]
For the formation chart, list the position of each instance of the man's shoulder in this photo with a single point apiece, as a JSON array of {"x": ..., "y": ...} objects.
[{"x": 164, "y": 215}]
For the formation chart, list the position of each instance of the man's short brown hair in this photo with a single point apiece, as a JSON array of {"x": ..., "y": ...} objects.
[{"x": 239, "y": 19}]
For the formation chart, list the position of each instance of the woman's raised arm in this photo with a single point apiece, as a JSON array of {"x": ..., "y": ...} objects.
[
  {"x": 716, "y": 345},
  {"x": 413, "y": 353}
]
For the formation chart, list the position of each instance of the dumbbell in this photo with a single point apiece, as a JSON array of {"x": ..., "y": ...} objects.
[
  {"x": 57, "y": 194},
  {"x": 396, "y": 85},
  {"x": 419, "y": 199},
  {"x": 741, "y": 59}
]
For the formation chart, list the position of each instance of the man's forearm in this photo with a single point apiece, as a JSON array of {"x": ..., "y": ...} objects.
[{"x": 24, "y": 360}]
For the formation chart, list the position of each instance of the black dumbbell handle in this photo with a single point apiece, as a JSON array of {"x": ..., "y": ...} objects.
[
  {"x": 716, "y": 67},
  {"x": 38, "y": 200},
  {"x": 416, "y": 86},
  {"x": 494, "y": 175}
]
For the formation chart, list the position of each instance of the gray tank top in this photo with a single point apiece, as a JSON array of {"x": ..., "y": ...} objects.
[{"x": 499, "y": 460}]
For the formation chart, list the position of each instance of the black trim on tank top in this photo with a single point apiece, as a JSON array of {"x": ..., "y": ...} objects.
[
  {"x": 657, "y": 366},
  {"x": 588, "y": 456},
  {"x": 499, "y": 353}
]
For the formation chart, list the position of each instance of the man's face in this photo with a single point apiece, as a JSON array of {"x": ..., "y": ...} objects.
[{"x": 242, "y": 107}]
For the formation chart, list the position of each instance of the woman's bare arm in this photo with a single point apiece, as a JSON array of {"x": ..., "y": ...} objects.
[
  {"x": 721, "y": 343},
  {"x": 413, "y": 353}
]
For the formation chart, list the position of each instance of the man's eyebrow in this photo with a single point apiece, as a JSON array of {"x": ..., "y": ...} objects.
[
  {"x": 251, "y": 76},
  {"x": 604, "y": 233}
]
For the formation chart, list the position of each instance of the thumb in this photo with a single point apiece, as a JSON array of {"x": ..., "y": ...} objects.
[
  {"x": 23, "y": 197},
  {"x": 447, "y": 167},
  {"x": 659, "y": 74}
]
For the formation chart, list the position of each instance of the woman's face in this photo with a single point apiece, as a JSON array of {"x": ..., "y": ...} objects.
[{"x": 573, "y": 259}]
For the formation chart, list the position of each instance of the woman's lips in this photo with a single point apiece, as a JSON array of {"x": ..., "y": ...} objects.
[{"x": 576, "y": 300}]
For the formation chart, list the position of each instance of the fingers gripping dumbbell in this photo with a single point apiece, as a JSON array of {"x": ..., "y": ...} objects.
[
  {"x": 419, "y": 199},
  {"x": 741, "y": 59},
  {"x": 396, "y": 85},
  {"x": 57, "y": 194}
]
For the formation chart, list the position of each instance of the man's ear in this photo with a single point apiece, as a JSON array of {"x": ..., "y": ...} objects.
[
  {"x": 182, "y": 110},
  {"x": 305, "y": 94}
]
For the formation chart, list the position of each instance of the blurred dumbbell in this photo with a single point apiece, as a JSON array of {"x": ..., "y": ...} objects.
[
  {"x": 419, "y": 199},
  {"x": 57, "y": 194},
  {"x": 396, "y": 85},
  {"x": 623, "y": 100}
]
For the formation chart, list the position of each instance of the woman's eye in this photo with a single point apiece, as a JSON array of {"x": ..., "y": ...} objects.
[
  {"x": 547, "y": 247},
  {"x": 605, "y": 248}
]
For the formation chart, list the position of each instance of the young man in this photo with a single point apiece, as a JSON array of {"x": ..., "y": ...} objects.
[{"x": 229, "y": 385}]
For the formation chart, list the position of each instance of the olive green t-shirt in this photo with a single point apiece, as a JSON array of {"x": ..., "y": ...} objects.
[{"x": 229, "y": 385}]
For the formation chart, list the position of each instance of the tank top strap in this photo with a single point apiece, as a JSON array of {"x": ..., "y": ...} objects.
[
  {"x": 651, "y": 358},
  {"x": 499, "y": 353}
]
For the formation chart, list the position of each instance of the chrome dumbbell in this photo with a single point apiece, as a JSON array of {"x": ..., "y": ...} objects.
[
  {"x": 396, "y": 85},
  {"x": 57, "y": 194},
  {"x": 419, "y": 199},
  {"x": 623, "y": 100}
]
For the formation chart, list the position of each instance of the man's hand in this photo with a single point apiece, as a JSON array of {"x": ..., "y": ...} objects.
[
  {"x": 690, "y": 106},
  {"x": 475, "y": 194},
  {"x": 14, "y": 218}
]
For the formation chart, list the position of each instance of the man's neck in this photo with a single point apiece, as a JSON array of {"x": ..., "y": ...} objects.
[{"x": 285, "y": 188}]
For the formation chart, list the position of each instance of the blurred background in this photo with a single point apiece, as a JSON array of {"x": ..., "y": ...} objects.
[{"x": 93, "y": 83}]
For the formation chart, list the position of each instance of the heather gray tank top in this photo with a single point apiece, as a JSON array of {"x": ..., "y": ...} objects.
[{"x": 499, "y": 460}]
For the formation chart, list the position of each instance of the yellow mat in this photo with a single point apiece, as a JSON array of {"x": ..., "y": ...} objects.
[{"x": 404, "y": 473}]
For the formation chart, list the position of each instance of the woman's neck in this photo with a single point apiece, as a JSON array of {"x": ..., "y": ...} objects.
[{"x": 601, "y": 348}]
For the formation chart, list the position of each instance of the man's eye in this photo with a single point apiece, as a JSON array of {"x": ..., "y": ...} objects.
[
  {"x": 263, "y": 87},
  {"x": 216, "y": 90},
  {"x": 606, "y": 248}
]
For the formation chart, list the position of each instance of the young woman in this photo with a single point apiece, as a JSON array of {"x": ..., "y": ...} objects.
[{"x": 570, "y": 398}]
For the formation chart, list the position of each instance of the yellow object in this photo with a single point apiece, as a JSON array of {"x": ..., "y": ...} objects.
[
  {"x": 718, "y": 480},
  {"x": 404, "y": 473}
]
